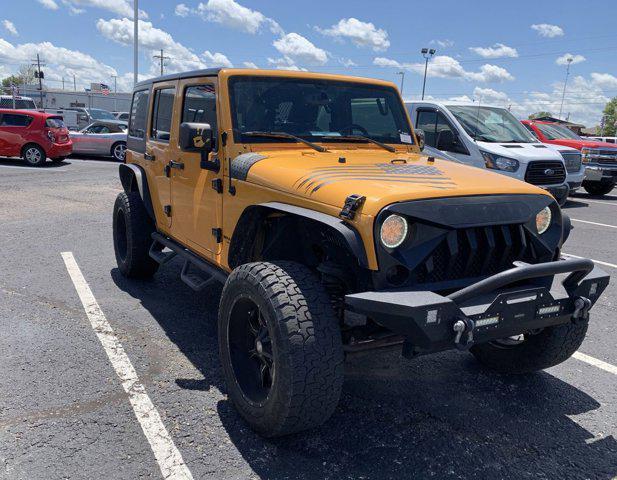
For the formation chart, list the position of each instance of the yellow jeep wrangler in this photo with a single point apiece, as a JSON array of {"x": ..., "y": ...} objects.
[{"x": 309, "y": 198}]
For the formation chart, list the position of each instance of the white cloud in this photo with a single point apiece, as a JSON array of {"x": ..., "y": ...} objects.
[
  {"x": 284, "y": 63},
  {"x": 216, "y": 60},
  {"x": 604, "y": 80},
  {"x": 445, "y": 43},
  {"x": 153, "y": 39},
  {"x": 297, "y": 49},
  {"x": 10, "y": 27},
  {"x": 123, "y": 8},
  {"x": 498, "y": 50},
  {"x": 361, "y": 34},
  {"x": 231, "y": 14},
  {"x": 49, "y": 4},
  {"x": 182, "y": 10},
  {"x": 488, "y": 95},
  {"x": 443, "y": 66},
  {"x": 547, "y": 30},
  {"x": 249, "y": 65},
  {"x": 348, "y": 62},
  {"x": 563, "y": 60}
]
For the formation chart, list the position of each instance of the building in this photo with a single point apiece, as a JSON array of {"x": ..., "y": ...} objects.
[{"x": 575, "y": 127}]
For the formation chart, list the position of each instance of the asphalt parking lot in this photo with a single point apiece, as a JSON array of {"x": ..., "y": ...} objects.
[{"x": 65, "y": 414}]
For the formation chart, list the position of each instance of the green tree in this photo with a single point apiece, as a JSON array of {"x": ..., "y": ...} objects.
[
  {"x": 610, "y": 118},
  {"x": 540, "y": 114}
]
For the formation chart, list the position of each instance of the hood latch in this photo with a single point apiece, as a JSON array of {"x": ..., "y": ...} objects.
[{"x": 352, "y": 203}]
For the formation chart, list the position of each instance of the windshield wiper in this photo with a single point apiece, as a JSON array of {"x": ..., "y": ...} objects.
[
  {"x": 368, "y": 139},
  {"x": 319, "y": 148}
]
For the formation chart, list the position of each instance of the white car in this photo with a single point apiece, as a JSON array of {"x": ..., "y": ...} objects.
[{"x": 491, "y": 137}]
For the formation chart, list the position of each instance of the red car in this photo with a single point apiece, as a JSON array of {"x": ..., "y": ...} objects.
[
  {"x": 33, "y": 136},
  {"x": 599, "y": 158}
]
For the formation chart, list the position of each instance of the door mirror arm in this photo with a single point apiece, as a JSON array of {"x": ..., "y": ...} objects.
[{"x": 197, "y": 137}]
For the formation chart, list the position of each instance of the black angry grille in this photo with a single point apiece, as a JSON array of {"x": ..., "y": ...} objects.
[
  {"x": 475, "y": 252},
  {"x": 545, "y": 173}
]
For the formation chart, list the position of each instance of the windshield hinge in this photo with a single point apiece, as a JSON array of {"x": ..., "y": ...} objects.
[{"x": 352, "y": 203}]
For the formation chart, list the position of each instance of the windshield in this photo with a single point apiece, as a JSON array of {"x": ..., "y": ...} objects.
[
  {"x": 316, "y": 110},
  {"x": 555, "y": 132},
  {"x": 99, "y": 114},
  {"x": 491, "y": 124}
]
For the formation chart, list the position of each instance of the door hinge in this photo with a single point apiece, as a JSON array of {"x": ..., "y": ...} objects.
[
  {"x": 167, "y": 210},
  {"x": 218, "y": 234},
  {"x": 217, "y": 184},
  {"x": 167, "y": 170}
]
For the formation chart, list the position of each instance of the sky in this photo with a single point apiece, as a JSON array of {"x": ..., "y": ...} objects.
[{"x": 511, "y": 54}]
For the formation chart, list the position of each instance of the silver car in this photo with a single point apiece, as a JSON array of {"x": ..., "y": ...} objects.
[{"x": 106, "y": 139}]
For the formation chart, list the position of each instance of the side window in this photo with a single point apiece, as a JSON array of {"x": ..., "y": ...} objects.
[
  {"x": 162, "y": 111},
  {"x": 446, "y": 138},
  {"x": 199, "y": 106},
  {"x": 139, "y": 114},
  {"x": 14, "y": 120},
  {"x": 427, "y": 121}
]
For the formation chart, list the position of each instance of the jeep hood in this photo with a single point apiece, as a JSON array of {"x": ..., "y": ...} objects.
[{"x": 382, "y": 177}]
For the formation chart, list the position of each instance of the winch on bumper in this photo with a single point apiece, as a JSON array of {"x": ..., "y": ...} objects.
[{"x": 522, "y": 299}]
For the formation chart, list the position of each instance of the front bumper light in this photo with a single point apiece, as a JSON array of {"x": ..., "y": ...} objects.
[
  {"x": 497, "y": 162},
  {"x": 543, "y": 220},
  {"x": 393, "y": 231}
]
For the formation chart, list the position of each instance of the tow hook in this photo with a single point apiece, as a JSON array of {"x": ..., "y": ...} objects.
[
  {"x": 581, "y": 310},
  {"x": 464, "y": 333}
]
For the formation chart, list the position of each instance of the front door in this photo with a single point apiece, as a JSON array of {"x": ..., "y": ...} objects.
[{"x": 197, "y": 206}]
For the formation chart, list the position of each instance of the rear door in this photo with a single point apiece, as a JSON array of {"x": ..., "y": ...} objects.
[
  {"x": 13, "y": 133},
  {"x": 197, "y": 206}
]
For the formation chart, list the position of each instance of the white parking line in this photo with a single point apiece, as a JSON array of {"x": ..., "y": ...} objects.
[
  {"x": 36, "y": 169},
  {"x": 602, "y": 202},
  {"x": 167, "y": 455},
  {"x": 595, "y": 362},
  {"x": 599, "y": 262},
  {"x": 593, "y": 223}
]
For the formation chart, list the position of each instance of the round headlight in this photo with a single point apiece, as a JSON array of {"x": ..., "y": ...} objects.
[
  {"x": 543, "y": 220},
  {"x": 393, "y": 231}
]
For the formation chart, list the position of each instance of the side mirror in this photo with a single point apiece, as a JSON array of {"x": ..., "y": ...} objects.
[
  {"x": 421, "y": 138},
  {"x": 197, "y": 137},
  {"x": 446, "y": 140}
]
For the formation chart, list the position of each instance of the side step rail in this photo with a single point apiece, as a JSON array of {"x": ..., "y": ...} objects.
[{"x": 193, "y": 280}]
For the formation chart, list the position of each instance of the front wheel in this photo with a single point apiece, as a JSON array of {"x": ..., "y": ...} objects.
[
  {"x": 599, "y": 188},
  {"x": 280, "y": 347},
  {"x": 118, "y": 151},
  {"x": 532, "y": 351}
]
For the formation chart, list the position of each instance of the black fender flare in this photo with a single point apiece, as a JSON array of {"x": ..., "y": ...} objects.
[
  {"x": 349, "y": 234},
  {"x": 133, "y": 179}
]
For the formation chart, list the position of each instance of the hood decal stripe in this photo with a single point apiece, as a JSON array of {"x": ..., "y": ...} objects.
[{"x": 431, "y": 184}]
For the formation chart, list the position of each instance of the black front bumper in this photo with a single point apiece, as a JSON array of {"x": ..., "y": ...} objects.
[{"x": 524, "y": 298}]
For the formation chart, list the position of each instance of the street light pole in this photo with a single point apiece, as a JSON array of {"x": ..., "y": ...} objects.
[
  {"x": 563, "y": 95},
  {"x": 427, "y": 53},
  {"x": 402, "y": 74},
  {"x": 135, "y": 39}
]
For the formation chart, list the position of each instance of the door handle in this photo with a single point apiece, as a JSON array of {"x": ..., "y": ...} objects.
[
  {"x": 177, "y": 165},
  {"x": 147, "y": 156}
]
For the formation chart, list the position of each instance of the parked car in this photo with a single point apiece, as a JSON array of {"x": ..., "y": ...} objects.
[
  {"x": 124, "y": 116},
  {"x": 599, "y": 158},
  {"x": 491, "y": 137},
  {"x": 602, "y": 139},
  {"x": 575, "y": 170},
  {"x": 34, "y": 136},
  {"x": 103, "y": 138},
  {"x": 19, "y": 103},
  {"x": 68, "y": 116},
  {"x": 85, "y": 116}
]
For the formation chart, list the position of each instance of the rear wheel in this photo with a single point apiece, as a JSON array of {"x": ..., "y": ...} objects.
[
  {"x": 532, "y": 351},
  {"x": 118, "y": 151},
  {"x": 132, "y": 230},
  {"x": 599, "y": 188},
  {"x": 34, "y": 155},
  {"x": 280, "y": 347}
]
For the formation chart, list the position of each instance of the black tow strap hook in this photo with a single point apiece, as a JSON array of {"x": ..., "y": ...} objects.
[
  {"x": 582, "y": 305},
  {"x": 464, "y": 328}
]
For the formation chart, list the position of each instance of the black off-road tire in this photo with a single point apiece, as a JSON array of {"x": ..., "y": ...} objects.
[
  {"x": 599, "y": 188},
  {"x": 548, "y": 348},
  {"x": 132, "y": 230},
  {"x": 306, "y": 346},
  {"x": 34, "y": 155}
]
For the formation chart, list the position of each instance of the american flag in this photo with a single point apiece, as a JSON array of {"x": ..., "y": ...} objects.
[{"x": 104, "y": 89}]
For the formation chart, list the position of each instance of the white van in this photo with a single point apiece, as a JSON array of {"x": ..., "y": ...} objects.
[
  {"x": 18, "y": 102},
  {"x": 491, "y": 137}
]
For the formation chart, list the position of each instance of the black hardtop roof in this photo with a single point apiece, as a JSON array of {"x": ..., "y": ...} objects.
[{"x": 177, "y": 76}]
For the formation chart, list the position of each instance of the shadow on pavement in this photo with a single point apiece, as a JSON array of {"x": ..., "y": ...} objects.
[
  {"x": 18, "y": 162},
  {"x": 441, "y": 416}
]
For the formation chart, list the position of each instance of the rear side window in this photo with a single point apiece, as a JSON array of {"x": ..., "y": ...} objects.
[
  {"x": 15, "y": 120},
  {"x": 139, "y": 114},
  {"x": 54, "y": 122},
  {"x": 161, "y": 114},
  {"x": 200, "y": 106}
]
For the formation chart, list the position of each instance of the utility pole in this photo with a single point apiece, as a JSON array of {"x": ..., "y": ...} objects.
[
  {"x": 62, "y": 83},
  {"x": 162, "y": 58},
  {"x": 74, "y": 83},
  {"x": 115, "y": 77},
  {"x": 135, "y": 39},
  {"x": 402, "y": 74},
  {"x": 40, "y": 75},
  {"x": 427, "y": 53},
  {"x": 563, "y": 95}
]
